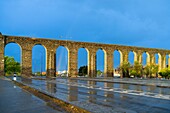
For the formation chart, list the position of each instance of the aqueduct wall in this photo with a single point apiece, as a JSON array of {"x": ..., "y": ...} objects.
[{"x": 27, "y": 43}]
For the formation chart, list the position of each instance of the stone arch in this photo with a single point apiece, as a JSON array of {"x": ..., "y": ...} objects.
[
  {"x": 167, "y": 60},
  {"x": 62, "y": 59},
  {"x": 65, "y": 46},
  {"x": 160, "y": 61},
  {"x": 41, "y": 60},
  {"x": 157, "y": 58},
  {"x": 121, "y": 55},
  {"x": 13, "y": 49},
  {"x": 100, "y": 66},
  {"x": 15, "y": 43},
  {"x": 132, "y": 57},
  {"x": 82, "y": 52},
  {"x": 40, "y": 45},
  {"x": 145, "y": 58},
  {"x": 86, "y": 48},
  {"x": 117, "y": 60}
]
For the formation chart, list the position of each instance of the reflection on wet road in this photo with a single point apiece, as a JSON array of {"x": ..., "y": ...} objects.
[
  {"x": 15, "y": 100},
  {"x": 107, "y": 97}
]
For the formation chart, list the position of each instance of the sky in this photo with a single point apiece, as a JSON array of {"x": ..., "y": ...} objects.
[{"x": 144, "y": 23}]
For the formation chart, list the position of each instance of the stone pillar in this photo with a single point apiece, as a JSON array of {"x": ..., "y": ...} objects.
[
  {"x": 125, "y": 56},
  {"x": 108, "y": 68},
  {"x": 26, "y": 61},
  {"x": 138, "y": 57},
  {"x": 168, "y": 60},
  {"x": 160, "y": 62},
  {"x": 92, "y": 63},
  {"x": 148, "y": 59},
  {"x": 152, "y": 58},
  {"x": 2, "y": 47},
  {"x": 72, "y": 62},
  {"x": 163, "y": 62},
  {"x": 51, "y": 63}
]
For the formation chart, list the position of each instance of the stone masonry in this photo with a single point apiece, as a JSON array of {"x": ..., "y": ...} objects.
[{"x": 27, "y": 43}]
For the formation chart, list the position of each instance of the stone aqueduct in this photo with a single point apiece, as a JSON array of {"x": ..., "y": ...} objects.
[{"x": 27, "y": 43}]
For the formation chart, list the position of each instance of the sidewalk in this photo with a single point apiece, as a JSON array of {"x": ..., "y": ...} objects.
[{"x": 15, "y": 100}]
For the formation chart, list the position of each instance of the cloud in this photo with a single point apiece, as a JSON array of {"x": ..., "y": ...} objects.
[{"x": 120, "y": 22}]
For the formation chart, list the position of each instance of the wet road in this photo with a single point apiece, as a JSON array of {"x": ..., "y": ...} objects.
[
  {"x": 100, "y": 97},
  {"x": 15, "y": 100}
]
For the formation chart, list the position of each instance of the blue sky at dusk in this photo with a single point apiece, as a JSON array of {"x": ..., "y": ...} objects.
[{"x": 143, "y": 23}]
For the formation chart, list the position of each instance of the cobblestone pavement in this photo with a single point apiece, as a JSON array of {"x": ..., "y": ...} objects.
[{"x": 15, "y": 100}]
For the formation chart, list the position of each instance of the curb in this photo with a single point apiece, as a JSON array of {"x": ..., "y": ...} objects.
[{"x": 52, "y": 101}]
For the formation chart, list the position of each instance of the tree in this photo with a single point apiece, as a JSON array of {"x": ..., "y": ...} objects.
[
  {"x": 136, "y": 69},
  {"x": 11, "y": 66},
  {"x": 83, "y": 70},
  {"x": 151, "y": 70},
  {"x": 99, "y": 73},
  {"x": 125, "y": 67},
  {"x": 165, "y": 73}
]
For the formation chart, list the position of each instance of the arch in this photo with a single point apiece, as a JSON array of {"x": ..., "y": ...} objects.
[
  {"x": 14, "y": 50},
  {"x": 145, "y": 58},
  {"x": 39, "y": 44},
  {"x": 131, "y": 57},
  {"x": 159, "y": 61},
  {"x": 117, "y": 60},
  {"x": 100, "y": 61},
  {"x": 82, "y": 60},
  {"x": 13, "y": 42},
  {"x": 167, "y": 60},
  {"x": 62, "y": 61},
  {"x": 39, "y": 59},
  {"x": 157, "y": 58}
]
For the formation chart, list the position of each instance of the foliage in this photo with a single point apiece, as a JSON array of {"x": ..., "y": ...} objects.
[
  {"x": 125, "y": 67},
  {"x": 99, "y": 72},
  {"x": 165, "y": 73},
  {"x": 83, "y": 70},
  {"x": 151, "y": 70},
  {"x": 11, "y": 66},
  {"x": 136, "y": 69},
  {"x": 38, "y": 73}
]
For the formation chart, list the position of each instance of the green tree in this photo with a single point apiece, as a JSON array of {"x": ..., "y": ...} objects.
[
  {"x": 136, "y": 69},
  {"x": 146, "y": 70},
  {"x": 125, "y": 67},
  {"x": 151, "y": 70},
  {"x": 83, "y": 70},
  {"x": 165, "y": 73},
  {"x": 38, "y": 73},
  {"x": 99, "y": 72},
  {"x": 11, "y": 66}
]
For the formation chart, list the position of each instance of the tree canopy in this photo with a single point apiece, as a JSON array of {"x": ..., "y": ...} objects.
[
  {"x": 136, "y": 69},
  {"x": 151, "y": 70},
  {"x": 165, "y": 73},
  {"x": 125, "y": 67},
  {"x": 11, "y": 66},
  {"x": 83, "y": 70}
]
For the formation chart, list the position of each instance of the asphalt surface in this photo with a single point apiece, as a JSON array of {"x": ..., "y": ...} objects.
[
  {"x": 107, "y": 97},
  {"x": 15, "y": 100}
]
